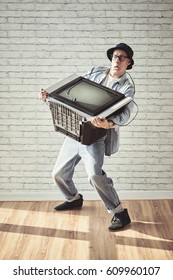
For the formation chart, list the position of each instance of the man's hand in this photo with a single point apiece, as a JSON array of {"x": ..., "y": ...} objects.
[
  {"x": 102, "y": 122},
  {"x": 43, "y": 94}
]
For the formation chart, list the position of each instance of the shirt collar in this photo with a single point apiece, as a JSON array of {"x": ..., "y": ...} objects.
[{"x": 122, "y": 79}]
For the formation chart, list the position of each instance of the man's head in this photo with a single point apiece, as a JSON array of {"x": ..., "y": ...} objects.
[
  {"x": 128, "y": 53},
  {"x": 121, "y": 58}
]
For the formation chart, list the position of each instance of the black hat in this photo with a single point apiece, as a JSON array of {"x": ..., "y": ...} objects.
[{"x": 124, "y": 47}]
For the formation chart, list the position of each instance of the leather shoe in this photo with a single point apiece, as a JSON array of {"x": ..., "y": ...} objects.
[
  {"x": 120, "y": 220},
  {"x": 70, "y": 205}
]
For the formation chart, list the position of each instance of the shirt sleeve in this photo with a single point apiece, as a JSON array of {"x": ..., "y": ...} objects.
[{"x": 122, "y": 116}]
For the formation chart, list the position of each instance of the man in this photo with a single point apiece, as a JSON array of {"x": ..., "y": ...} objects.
[{"x": 93, "y": 155}]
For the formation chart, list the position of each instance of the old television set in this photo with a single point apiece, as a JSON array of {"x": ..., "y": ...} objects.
[{"x": 75, "y": 100}]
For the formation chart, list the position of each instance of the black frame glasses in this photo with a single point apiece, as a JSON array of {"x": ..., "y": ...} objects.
[{"x": 121, "y": 58}]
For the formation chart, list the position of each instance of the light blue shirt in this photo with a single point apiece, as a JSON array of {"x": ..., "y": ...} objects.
[{"x": 123, "y": 85}]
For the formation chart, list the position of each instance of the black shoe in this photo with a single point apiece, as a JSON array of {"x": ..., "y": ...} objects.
[
  {"x": 120, "y": 220},
  {"x": 70, "y": 205}
]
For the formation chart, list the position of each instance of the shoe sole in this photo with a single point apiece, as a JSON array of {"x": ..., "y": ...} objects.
[
  {"x": 66, "y": 209},
  {"x": 119, "y": 229}
]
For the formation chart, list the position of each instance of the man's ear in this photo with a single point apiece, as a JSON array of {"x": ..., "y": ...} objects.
[{"x": 129, "y": 61}]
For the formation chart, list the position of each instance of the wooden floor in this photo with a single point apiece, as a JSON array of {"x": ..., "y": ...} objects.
[{"x": 34, "y": 231}]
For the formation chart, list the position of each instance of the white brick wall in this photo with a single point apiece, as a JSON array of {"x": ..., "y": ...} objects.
[{"x": 43, "y": 41}]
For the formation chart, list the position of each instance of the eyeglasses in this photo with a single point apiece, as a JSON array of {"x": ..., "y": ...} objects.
[{"x": 120, "y": 57}]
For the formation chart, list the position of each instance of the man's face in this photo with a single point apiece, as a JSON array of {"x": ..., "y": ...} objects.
[{"x": 120, "y": 62}]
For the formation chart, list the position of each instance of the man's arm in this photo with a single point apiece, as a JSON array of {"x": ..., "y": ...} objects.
[{"x": 122, "y": 116}]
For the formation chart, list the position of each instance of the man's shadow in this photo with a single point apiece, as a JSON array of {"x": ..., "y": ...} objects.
[{"x": 153, "y": 235}]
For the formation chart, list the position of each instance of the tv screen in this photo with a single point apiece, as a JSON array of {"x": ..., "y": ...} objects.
[{"x": 87, "y": 96}]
